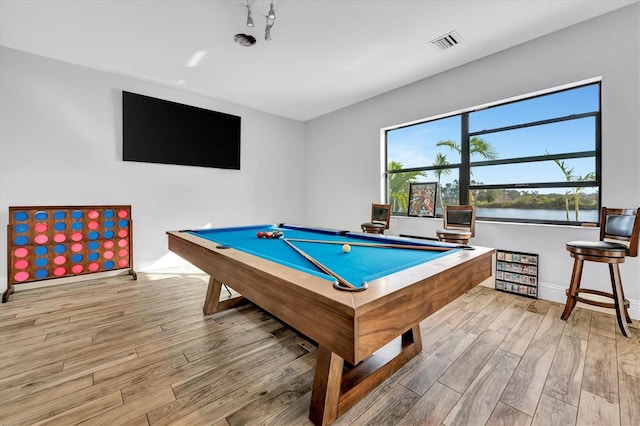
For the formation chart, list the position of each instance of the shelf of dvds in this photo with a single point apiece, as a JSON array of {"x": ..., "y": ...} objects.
[{"x": 517, "y": 273}]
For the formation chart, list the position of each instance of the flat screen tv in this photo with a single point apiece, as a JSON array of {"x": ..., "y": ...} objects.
[{"x": 160, "y": 131}]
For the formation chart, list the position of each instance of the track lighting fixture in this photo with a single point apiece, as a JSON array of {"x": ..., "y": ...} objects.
[
  {"x": 267, "y": 30},
  {"x": 249, "y": 18},
  {"x": 271, "y": 17},
  {"x": 249, "y": 40}
]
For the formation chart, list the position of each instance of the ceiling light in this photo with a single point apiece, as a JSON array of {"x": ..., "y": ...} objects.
[
  {"x": 272, "y": 12},
  {"x": 249, "y": 18}
]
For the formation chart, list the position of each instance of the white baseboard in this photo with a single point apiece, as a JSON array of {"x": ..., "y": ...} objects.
[
  {"x": 552, "y": 292},
  {"x": 546, "y": 291}
]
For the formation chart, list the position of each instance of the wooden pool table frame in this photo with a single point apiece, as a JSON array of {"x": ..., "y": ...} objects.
[{"x": 347, "y": 326}]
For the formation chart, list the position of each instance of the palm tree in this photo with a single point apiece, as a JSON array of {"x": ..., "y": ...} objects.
[
  {"x": 569, "y": 176},
  {"x": 477, "y": 146},
  {"x": 399, "y": 186},
  {"x": 441, "y": 160},
  {"x": 578, "y": 189}
]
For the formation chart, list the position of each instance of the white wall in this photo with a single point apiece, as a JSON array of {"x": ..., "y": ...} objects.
[
  {"x": 61, "y": 144},
  {"x": 344, "y": 153}
]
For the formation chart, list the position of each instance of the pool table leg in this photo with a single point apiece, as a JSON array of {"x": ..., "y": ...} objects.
[
  {"x": 325, "y": 395},
  {"x": 212, "y": 302},
  {"x": 335, "y": 391}
]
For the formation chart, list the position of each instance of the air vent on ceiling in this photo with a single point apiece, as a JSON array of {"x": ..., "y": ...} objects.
[{"x": 448, "y": 40}]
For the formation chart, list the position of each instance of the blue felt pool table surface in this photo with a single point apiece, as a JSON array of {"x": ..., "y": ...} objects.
[{"x": 359, "y": 266}]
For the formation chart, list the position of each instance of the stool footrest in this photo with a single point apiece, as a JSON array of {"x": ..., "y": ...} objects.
[{"x": 596, "y": 302}]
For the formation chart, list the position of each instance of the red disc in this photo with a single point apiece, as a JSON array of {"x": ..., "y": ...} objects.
[
  {"x": 21, "y": 276},
  {"x": 41, "y": 239},
  {"x": 21, "y": 264},
  {"x": 20, "y": 252}
]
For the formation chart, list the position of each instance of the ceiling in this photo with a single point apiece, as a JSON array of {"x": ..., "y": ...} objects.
[{"x": 324, "y": 54}]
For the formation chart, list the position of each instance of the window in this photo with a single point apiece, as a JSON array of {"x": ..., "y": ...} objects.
[{"x": 531, "y": 160}]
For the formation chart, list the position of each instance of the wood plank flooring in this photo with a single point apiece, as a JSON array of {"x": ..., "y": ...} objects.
[{"x": 114, "y": 351}]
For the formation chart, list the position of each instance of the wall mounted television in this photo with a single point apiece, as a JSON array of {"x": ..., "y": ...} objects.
[{"x": 160, "y": 131}]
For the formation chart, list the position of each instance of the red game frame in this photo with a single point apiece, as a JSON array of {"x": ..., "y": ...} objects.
[{"x": 46, "y": 242}]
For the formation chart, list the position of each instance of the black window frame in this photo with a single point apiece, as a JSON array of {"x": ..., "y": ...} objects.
[{"x": 465, "y": 165}]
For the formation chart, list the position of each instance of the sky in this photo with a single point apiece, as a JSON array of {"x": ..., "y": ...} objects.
[{"x": 415, "y": 145}]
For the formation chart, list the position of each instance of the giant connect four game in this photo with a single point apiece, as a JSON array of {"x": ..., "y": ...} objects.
[{"x": 47, "y": 242}]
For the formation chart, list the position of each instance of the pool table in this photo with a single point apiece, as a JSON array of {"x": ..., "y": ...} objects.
[{"x": 362, "y": 307}]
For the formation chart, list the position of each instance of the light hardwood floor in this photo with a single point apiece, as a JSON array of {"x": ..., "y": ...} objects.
[{"x": 115, "y": 351}]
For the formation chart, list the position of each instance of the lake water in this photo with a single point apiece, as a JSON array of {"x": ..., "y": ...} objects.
[{"x": 539, "y": 214}]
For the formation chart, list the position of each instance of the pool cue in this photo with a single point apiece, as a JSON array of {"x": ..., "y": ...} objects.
[
  {"x": 321, "y": 266},
  {"x": 376, "y": 245}
]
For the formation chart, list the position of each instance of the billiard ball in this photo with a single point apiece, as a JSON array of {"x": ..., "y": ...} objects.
[
  {"x": 346, "y": 248},
  {"x": 259, "y": 234}
]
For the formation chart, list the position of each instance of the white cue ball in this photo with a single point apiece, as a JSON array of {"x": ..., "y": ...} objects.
[{"x": 346, "y": 248}]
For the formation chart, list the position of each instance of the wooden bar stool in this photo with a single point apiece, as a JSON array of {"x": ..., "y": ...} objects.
[
  {"x": 380, "y": 218},
  {"x": 619, "y": 229},
  {"x": 459, "y": 224}
]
